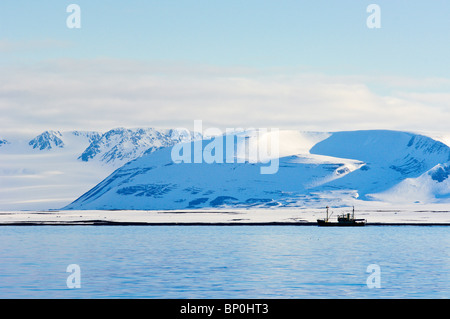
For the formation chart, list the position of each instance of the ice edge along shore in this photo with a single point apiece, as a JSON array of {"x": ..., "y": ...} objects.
[{"x": 225, "y": 217}]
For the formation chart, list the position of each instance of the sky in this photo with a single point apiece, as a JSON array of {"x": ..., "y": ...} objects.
[{"x": 288, "y": 64}]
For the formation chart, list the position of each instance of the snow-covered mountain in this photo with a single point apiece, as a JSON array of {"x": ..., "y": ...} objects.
[
  {"x": 314, "y": 169},
  {"x": 47, "y": 140},
  {"x": 51, "y": 169},
  {"x": 120, "y": 145}
]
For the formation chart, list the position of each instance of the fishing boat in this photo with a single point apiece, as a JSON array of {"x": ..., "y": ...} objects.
[{"x": 347, "y": 219}]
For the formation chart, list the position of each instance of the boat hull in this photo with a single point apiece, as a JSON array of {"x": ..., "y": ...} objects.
[{"x": 321, "y": 222}]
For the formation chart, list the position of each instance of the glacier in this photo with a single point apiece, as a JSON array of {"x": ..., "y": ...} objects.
[{"x": 51, "y": 169}]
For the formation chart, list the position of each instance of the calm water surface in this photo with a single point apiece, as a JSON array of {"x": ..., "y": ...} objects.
[{"x": 224, "y": 261}]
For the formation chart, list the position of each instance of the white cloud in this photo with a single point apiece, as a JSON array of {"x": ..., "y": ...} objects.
[{"x": 105, "y": 93}]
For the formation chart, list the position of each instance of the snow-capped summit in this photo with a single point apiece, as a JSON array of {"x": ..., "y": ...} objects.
[
  {"x": 47, "y": 140},
  {"x": 121, "y": 145}
]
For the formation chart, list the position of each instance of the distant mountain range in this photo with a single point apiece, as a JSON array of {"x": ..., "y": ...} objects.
[
  {"x": 315, "y": 169},
  {"x": 134, "y": 169},
  {"x": 115, "y": 146},
  {"x": 53, "y": 168},
  {"x": 122, "y": 145}
]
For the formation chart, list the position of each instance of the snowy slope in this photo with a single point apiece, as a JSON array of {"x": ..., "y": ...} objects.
[
  {"x": 314, "y": 169},
  {"x": 433, "y": 186},
  {"x": 389, "y": 156}
]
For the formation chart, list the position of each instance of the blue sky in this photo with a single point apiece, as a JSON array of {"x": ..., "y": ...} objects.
[{"x": 241, "y": 45}]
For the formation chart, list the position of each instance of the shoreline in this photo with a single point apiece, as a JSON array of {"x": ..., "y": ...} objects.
[
  {"x": 103, "y": 223},
  {"x": 375, "y": 216}
]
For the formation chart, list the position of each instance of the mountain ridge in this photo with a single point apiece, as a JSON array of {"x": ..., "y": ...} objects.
[{"x": 339, "y": 168}]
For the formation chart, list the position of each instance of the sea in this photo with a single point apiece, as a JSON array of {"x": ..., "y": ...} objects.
[{"x": 225, "y": 262}]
